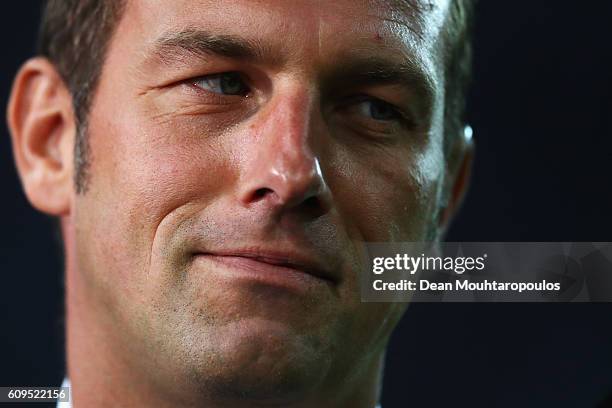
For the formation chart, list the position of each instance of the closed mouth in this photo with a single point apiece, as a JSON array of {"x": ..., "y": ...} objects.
[{"x": 268, "y": 261}]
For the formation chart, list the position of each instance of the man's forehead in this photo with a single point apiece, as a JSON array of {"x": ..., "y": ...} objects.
[{"x": 421, "y": 19}]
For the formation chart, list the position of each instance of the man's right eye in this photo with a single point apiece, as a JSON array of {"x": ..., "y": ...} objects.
[{"x": 227, "y": 83}]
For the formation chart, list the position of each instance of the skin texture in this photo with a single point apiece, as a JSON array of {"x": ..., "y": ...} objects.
[{"x": 297, "y": 167}]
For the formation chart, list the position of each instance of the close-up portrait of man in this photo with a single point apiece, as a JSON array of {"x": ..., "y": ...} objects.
[{"x": 216, "y": 169}]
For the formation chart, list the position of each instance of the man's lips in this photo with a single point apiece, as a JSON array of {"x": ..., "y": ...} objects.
[{"x": 273, "y": 262}]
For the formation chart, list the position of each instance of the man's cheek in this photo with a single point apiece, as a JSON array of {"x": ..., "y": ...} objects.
[{"x": 393, "y": 204}]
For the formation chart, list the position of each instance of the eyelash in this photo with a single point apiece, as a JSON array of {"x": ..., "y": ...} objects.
[
  {"x": 396, "y": 111},
  {"x": 211, "y": 98},
  {"x": 400, "y": 116},
  {"x": 239, "y": 79}
]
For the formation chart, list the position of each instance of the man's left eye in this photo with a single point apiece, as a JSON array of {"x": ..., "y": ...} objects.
[
  {"x": 227, "y": 83},
  {"x": 378, "y": 110}
]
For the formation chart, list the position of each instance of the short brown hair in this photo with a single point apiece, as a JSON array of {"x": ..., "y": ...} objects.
[{"x": 75, "y": 34}]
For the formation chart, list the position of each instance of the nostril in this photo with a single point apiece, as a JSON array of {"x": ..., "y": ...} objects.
[
  {"x": 312, "y": 202},
  {"x": 261, "y": 193}
]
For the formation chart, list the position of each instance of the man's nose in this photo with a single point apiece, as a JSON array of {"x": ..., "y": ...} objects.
[{"x": 283, "y": 172}]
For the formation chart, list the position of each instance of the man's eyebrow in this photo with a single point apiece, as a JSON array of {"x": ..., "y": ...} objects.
[
  {"x": 175, "y": 45},
  {"x": 374, "y": 70}
]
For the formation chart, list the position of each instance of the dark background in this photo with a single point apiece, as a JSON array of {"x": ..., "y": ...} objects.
[{"x": 540, "y": 108}]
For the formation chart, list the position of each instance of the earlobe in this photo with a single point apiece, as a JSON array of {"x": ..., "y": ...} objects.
[
  {"x": 458, "y": 172},
  {"x": 42, "y": 126}
]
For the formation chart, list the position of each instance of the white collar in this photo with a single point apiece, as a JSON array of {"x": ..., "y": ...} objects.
[{"x": 66, "y": 383}]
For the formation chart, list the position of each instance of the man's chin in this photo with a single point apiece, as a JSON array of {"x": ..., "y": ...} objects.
[{"x": 265, "y": 360}]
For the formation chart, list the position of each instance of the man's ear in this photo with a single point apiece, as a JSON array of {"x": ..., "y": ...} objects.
[
  {"x": 458, "y": 172},
  {"x": 42, "y": 125}
]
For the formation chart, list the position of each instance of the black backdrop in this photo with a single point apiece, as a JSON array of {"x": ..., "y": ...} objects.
[{"x": 540, "y": 108}]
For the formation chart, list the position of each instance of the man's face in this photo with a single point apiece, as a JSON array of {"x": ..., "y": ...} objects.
[{"x": 242, "y": 153}]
